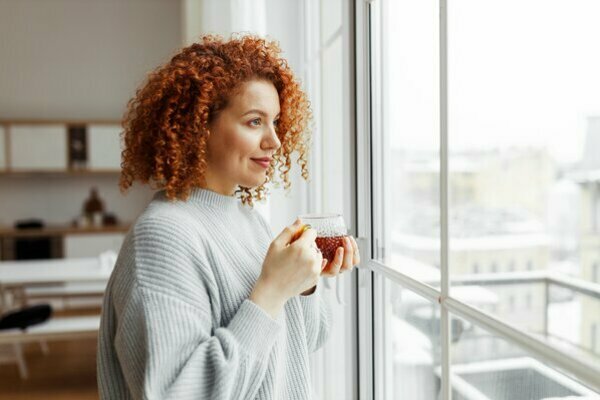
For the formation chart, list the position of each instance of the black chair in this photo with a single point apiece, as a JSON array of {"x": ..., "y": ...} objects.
[
  {"x": 26, "y": 317},
  {"x": 22, "y": 319}
]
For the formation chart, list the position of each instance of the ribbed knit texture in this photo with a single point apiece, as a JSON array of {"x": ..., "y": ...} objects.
[{"x": 177, "y": 322}]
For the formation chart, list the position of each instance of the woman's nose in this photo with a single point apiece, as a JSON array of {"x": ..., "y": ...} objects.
[{"x": 272, "y": 141}]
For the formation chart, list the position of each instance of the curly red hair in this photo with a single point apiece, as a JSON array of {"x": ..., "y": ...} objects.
[{"x": 165, "y": 125}]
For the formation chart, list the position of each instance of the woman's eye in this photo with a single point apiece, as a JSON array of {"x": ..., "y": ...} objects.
[{"x": 257, "y": 122}]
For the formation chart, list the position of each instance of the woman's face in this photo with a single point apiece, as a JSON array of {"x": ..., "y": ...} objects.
[{"x": 239, "y": 134}]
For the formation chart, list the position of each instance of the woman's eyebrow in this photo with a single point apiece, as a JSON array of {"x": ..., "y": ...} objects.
[{"x": 264, "y": 114}]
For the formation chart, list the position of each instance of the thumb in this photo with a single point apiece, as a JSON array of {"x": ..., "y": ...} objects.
[{"x": 289, "y": 232}]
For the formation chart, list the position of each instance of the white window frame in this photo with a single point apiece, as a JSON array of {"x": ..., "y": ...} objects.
[
  {"x": 321, "y": 190},
  {"x": 370, "y": 356}
]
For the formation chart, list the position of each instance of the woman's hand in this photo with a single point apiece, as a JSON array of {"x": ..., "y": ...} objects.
[
  {"x": 345, "y": 259},
  {"x": 291, "y": 267}
]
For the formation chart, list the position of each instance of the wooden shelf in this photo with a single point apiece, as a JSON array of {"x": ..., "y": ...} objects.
[
  {"x": 25, "y": 121},
  {"x": 59, "y": 173},
  {"x": 60, "y": 230}
]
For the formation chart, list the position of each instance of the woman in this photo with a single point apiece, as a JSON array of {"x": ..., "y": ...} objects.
[{"x": 203, "y": 302}]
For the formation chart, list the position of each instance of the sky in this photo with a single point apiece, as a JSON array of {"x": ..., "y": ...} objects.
[{"x": 520, "y": 73}]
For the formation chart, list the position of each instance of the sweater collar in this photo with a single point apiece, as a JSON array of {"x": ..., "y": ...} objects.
[{"x": 208, "y": 197}]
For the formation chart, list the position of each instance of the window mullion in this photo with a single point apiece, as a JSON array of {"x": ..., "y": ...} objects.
[
  {"x": 364, "y": 293},
  {"x": 444, "y": 267}
]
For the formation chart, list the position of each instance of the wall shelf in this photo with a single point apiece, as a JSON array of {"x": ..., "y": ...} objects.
[
  {"x": 66, "y": 240},
  {"x": 58, "y": 230},
  {"x": 67, "y": 173}
]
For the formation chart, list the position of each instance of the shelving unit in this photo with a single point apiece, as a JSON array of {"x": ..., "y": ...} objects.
[
  {"x": 36, "y": 147},
  {"x": 61, "y": 149}
]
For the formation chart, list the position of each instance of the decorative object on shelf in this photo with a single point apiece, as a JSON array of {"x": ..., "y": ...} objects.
[
  {"x": 93, "y": 208},
  {"x": 110, "y": 219},
  {"x": 78, "y": 156}
]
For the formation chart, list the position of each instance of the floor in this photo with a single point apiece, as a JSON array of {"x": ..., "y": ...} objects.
[{"x": 67, "y": 372}]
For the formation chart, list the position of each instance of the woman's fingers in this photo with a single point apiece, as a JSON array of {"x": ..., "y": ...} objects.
[
  {"x": 345, "y": 258},
  {"x": 356, "y": 253},
  {"x": 333, "y": 268},
  {"x": 348, "y": 255}
]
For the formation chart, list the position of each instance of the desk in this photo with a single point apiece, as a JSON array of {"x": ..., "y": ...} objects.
[
  {"x": 27, "y": 273},
  {"x": 18, "y": 275},
  {"x": 58, "y": 235},
  {"x": 60, "y": 230}
]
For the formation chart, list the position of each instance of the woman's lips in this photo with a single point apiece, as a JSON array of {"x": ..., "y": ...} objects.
[{"x": 264, "y": 164}]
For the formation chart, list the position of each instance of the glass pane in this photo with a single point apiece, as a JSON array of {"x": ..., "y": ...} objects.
[
  {"x": 487, "y": 367},
  {"x": 412, "y": 334},
  {"x": 411, "y": 128},
  {"x": 524, "y": 181},
  {"x": 574, "y": 323}
]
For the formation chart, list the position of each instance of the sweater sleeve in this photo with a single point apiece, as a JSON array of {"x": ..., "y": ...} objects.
[
  {"x": 167, "y": 340},
  {"x": 166, "y": 349},
  {"x": 317, "y": 318}
]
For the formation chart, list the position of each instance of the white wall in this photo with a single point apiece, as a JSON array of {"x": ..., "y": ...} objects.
[
  {"x": 57, "y": 200},
  {"x": 80, "y": 59},
  {"x": 77, "y": 59}
]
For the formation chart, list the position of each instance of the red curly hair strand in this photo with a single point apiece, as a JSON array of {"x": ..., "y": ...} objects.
[{"x": 165, "y": 125}]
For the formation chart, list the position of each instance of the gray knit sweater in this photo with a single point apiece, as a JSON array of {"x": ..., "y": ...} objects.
[{"x": 177, "y": 322}]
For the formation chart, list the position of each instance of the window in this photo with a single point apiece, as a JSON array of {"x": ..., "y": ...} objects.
[
  {"x": 494, "y": 268},
  {"x": 511, "y": 266},
  {"x": 595, "y": 208},
  {"x": 511, "y": 303},
  {"x": 459, "y": 156},
  {"x": 593, "y": 337}
]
